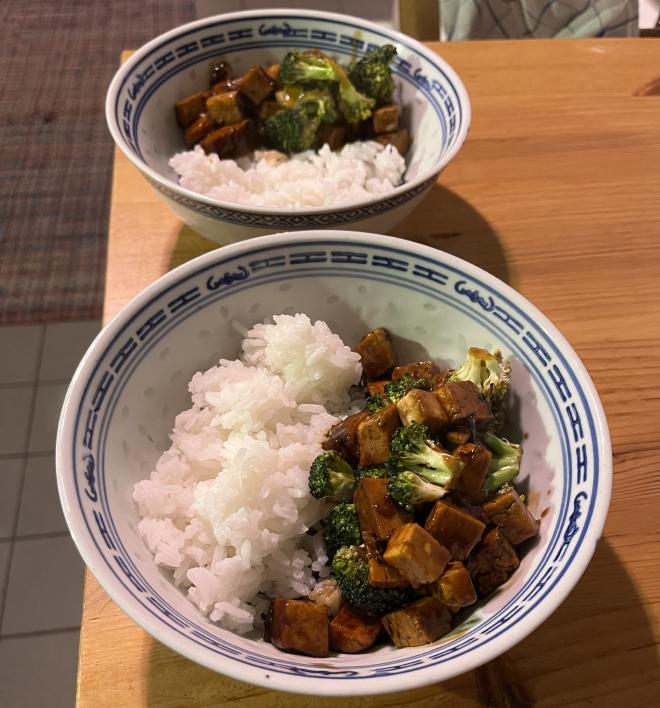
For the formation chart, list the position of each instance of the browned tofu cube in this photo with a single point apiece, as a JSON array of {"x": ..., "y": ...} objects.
[
  {"x": 416, "y": 554},
  {"x": 399, "y": 138},
  {"x": 225, "y": 108},
  {"x": 343, "y": 437},
  {"x": 417, "y": 369},
  {"x": 273, "y": 72},
  {"x": 199, "y": 129},
  {"x": 457, "y": 437},
  {"x": 454, "y": 528},
  {"x": 375, "y": 387},
  {"x": 377, "y": 512},
  {"x": 508, "y": 512},
  {"x": 224, "y": 86},
  {"x": 232, "y": 141},
  {"x": 332, "y": 135},
  {"x": 374, "y": 434},
  {"x": 492, "y": 562},
  {"x": 386, "y": 119},
  {"x": 421, "y": 622},
  {"x": 476, "y": 460},
  {"x": 189, "y": 109},
  {"x": 255, "y": 85},
  {"x": 382, "y": 575},
  {"x": 351, "y": 631},
  {"x": 296, "y": 625},
  {"x": 455, "y": 588},
  {"x": 268, "y": 109},
  {"x": 462, "y": 402},
  {"x": 419, "y": 406},
  {"x": 376, "y": 353}
]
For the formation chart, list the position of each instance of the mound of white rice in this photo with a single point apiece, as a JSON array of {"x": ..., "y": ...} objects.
[
  {"x": 322, "y": 178},
  {"x": 227, "y": 507}
]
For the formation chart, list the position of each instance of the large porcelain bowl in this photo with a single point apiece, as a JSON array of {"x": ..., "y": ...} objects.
[
  {"x": 131, "y": 383},
  {"x": 140, "y": 113}
]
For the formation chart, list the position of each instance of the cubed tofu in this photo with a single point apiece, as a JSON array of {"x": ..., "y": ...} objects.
[
  {"x": 509, "y": 513},
  {"x": 273, "y": 72},
  {"x": 376, "y": 353},
  {"x": 351, "y": 631},
  {"x": 375, "y": 387},
  {"x": 332, "y": 135},
  {"x": 224, "y": 86},
  {"x": 457, "y": 437},
  {"x": 399, "y": 138},
  {"x": 463, "y": 404},
  {"x": 343, "y": 437},
  {"x": 455, "y": 588},
  {"x": 382, "y": 575},
  {"x": 476, "y": 460},
  {"x": 268, "y": 109},
  {"x": 416, "y": 554},
  {"x": 225, "y": 108},
  {"x": 419, "y": 406},
  {"x": 255, "y": 85},
  {"x": 189, "y": 109},
  {"x": 421, "y": 622},
  {"x": 296, "y": 625},
  {"x": 374, "y": 434},
  {"x": 232, "y": 141},
  {"x": 417, "y": 369},
  {"x": 454, "y": 528},
  {"x": 492, "y": 562},
  {"x": 377, "y": 512},
  {"x": 386, "y": 119},
  {"x": 199, "y": 129}
]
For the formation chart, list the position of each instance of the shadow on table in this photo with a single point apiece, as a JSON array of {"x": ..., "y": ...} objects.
[{"x": 446, "y": 221}]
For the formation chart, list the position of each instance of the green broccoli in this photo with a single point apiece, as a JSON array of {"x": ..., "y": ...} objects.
[
  {"x": 409, "y": 490},
  {"x": 318, "y": 103},
  {"x": 372, "y": 76},
  {"x": 411, "y": 450},
  {"x": 396, "y": 390},
  {"x": 342, "y": 528},
  {"x": 291, "y": 130},
  {"x": 488, "y": 372},
  {"x": 351, "y": 570},
  {"x": 505, "y": 464},
  {"x": 331, "y": 476},
  {"x": 354, "y": 106},
  {"x": 376, "y": 402},
  {"x": 299, "y": 68},
  {"x": 381, "y": 471}
]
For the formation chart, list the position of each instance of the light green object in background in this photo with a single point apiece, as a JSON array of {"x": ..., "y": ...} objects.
[{"x": 501, "y": 19}]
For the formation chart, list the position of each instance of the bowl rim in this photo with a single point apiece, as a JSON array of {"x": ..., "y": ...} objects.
[
  {"x": 324, "y": 686},
  {"x": 165, "y": 183}
]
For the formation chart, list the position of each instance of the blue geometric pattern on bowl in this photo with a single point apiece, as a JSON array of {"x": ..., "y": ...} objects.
[{"x": 561, "y": 388}]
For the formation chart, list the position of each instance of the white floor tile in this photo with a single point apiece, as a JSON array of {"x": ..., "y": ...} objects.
[
  {"x": 15, "y": 406},
  {"x": 40, "y": 509},
  {"x": 39, "y": 672},
  {"x": 11, "y": 472},
  {"x": 64, "y": 346},
  {"x": 19, "y": 353},
  {"x": 45, "y": 586},
  {"x": 46, "y": 415}
]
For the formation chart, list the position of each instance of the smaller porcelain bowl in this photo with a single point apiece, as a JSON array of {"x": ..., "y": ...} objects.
[
  {"x": 141, "y": 97},
  {"x": 132, "y": 382}
]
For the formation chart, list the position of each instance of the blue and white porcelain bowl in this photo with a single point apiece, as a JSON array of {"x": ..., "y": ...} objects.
[
  {"x": 140, "y": 113},
  {"x": 122, "y": 401}
]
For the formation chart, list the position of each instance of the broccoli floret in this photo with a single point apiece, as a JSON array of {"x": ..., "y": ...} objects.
[
  {"x": 331, "y": 476},
  {"x": 291, "y": 130},
  {"x": 381, "y": 471},
  {"x": 505, "y": 464},
  {"x": 396, "y": 390},
  {"x": 342, "y": 528},
  {"x": 372, "y": 76},
  {"x": 376, "y": 402},
  {"x": 488, "y": 372},
  {"x": 299, "y": 68},
  {"x": 351, "y": 570},
  {"x": 410, "y": 490},
  {"x": 411, "y": 450},
  {"x": 354, "y": 106},
  {"x": 319, "y": 103}
]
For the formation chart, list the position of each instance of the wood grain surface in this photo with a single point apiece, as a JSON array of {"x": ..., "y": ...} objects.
[{"x": 556, "y": 192}]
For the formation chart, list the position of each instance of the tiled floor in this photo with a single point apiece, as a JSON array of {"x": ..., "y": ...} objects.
[{"x": 40, "y": 570}]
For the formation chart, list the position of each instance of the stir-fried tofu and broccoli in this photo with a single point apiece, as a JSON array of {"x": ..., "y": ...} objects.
[
  {"x": 424, "y": 519},
  {"x": 304, "y": 102}
]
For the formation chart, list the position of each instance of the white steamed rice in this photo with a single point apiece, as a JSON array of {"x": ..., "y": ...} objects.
[
  {"x": 360, "y": 170},
  {"x": 227, "y": 508}
]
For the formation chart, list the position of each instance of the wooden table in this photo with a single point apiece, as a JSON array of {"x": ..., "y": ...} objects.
[{"x": 556, "y": 192}]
